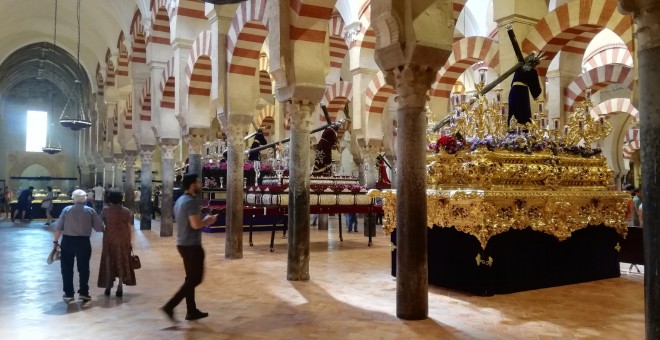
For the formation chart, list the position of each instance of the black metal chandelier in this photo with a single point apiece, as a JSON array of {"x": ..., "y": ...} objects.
[
  {"x": 52, "y": 147},
  {"x": 74, "y": 116}
]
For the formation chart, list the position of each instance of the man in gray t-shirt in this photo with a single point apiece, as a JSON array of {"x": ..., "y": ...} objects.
[{"x": 189, "y": 243}]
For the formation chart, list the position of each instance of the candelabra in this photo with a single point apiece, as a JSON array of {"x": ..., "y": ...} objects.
[
  {"x": 257, "y": 170},
  {"x": 581, "y": 126},
  {"x": 478, "y": 119}
]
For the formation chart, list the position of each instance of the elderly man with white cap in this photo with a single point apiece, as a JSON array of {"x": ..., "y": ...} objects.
[{"x": 75, "y": 224}]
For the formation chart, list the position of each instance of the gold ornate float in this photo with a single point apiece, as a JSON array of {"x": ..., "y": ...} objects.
[{"x": 500, "y": 178}]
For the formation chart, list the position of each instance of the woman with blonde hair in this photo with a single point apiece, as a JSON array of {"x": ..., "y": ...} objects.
[{"x": 116, "y": 253}]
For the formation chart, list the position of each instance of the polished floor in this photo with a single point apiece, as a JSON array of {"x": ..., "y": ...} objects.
[{"x": 351, "y": 296}]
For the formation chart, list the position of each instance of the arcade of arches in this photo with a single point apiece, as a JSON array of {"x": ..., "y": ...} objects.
[{"x": 176, "y": 85}]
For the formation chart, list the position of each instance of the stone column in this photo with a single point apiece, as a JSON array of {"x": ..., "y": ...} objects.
[
  {"x": 118, "y": 172},
  {"x": 196, "y": 139},
  {"x": 411, "y": 83},
  {"x": 129, "y": 185},
  {"x": 235, "y": 160},
  {"x": 167, "y": 147},
  {"x": 108, "y": 171},
  {"x": 300, "y": 112},
  {"x": 647, "y": 19},
  {"x": 146, "y": 152},
  {"x": 369, "y": 155},
  {"x": 323, "y": 221}
]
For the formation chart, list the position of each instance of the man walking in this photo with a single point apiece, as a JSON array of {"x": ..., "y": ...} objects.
[
  {"x": 99, "y": 196},
  {"x": 76, "y": 223},
  {"x": 189, "y": 243}
]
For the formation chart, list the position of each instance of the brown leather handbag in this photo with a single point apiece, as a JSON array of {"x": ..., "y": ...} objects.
[{"x": 135, "y": 261}]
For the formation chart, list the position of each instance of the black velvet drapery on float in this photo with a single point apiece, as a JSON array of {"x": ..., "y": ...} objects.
[{"x": 519, "y": 260}]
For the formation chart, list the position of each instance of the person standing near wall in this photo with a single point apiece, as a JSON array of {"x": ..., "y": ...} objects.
[{"x": 47, "y": 204}]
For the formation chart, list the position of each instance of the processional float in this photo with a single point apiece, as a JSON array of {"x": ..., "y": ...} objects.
[{"x": 494, "y": 175}]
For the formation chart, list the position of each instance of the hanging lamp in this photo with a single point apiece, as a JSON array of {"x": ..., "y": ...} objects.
[
  {"x": 73, "y": 115},
  {"x": 51, "y": 147}
]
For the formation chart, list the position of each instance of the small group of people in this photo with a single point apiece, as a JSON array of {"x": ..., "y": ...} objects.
[
  {"x": 74, "y": 228},
  {"x": 351, "y": 222}
]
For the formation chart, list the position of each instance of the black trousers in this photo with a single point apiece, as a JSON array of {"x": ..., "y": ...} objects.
[
  {"x": 193, "y": 262},
  {"x": 76, "y": 248}
]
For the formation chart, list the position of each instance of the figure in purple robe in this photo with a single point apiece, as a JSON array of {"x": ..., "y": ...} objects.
[
  {"x": 525, "y": 81},
  {"x": 323, "y": 160}
]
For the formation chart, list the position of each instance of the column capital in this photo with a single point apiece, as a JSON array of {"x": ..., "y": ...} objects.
[
  {"x": 130, "y": 157},
  {"x": 412, "y": 83},
  {"x": 647, "y": 17},
  {"x": 196, "y": 139},
  {"x": 167, "y": 147},
  {"x": 300, "y": 113},
  {"x": 146, "y": 153}
]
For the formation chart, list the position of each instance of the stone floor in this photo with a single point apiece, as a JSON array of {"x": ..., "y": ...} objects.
[{"x": 351, "y": 296}]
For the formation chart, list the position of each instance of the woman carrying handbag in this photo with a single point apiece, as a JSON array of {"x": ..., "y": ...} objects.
[{"x": 117, "y": 260}]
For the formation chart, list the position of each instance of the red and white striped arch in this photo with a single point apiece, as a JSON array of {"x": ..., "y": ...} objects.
[
  {"x": 613, "y": 106},
  {"x": 167, "y": 86},
  {"x": 338, "y": 48},
  {"x": 187, "y": 8},
  {"x": 265, "y": 83},
  {"x": 198, "y": 68},
  {"x": 139, "y": 52},
  {"x": 465, "y": 53},
  {"x": 145, "y": 102},
  {"x": 160, "y": 27},
  {"x": 100, "y": 84},
  {"x": 631, "y": 135},
  {"x": 122, "y": 61},
  {"x": 128, "y": 113},
  {"x": 309, "y": 19},
  {"x": 572, "y": 26},
  {"x": 596, "y": 79},
  {"x": 265, "y": 119},
  {"x": 246, "y": 37},
  {"x": 109, "y": 69},
  {"x": 378, "y": 92},
  {"x": 609, "y": 54},
  {"x": 629, "y": 148},
  {"x": 336, "y": 97},
  {"x": 457, "y": 6}
]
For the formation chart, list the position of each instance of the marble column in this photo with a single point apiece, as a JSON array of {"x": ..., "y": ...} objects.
[
  {"x": 129, "y": 185},
  {"x": 108, "y": 171},
  {"x": 117, "y": 181},
  {"x": 412, "y": 83},
  {"x": 647, "y": 19},
  {"x": 368, "y": 167},
  {"x": 196, "y": 139},
  {"x": 323, "y": 221},
  {"x": 167, "y": 147},
  {"x": 300, "y": 112},
  {"x": 234, "y": 185},
  {"x": 146, "y": 152}
]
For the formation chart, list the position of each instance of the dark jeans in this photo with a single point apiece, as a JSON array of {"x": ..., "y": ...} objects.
[
  {"x": 352, "y": 222},
  {"x": 98, "y": 206},
  {"x": 80, "y": 249},
  {"x": 193, "y": 262}
]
